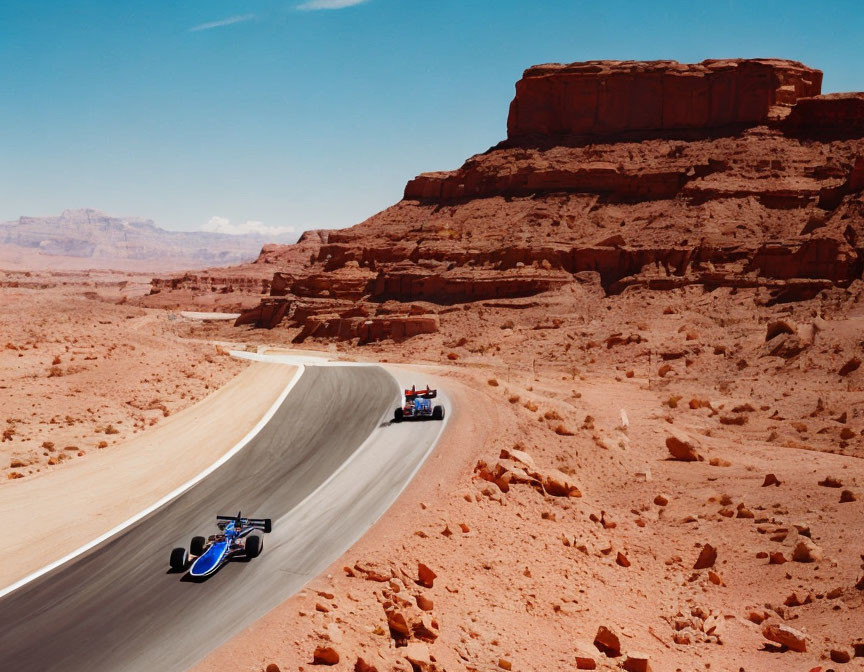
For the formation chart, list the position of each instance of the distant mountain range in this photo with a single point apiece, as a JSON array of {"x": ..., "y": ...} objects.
[{"x": 92, "y": 234}]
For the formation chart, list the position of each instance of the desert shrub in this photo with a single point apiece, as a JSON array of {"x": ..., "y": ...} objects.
[{"x": 672, "y": 402}]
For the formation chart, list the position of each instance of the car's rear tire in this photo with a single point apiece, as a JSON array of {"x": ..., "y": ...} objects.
[
  {"x": 197, "y": 545},
  {"x": 179, "y": 559},
  {"x": 438, "y": 413},
  {"x": 254, "y": 546},
  {"x": 398, "y": 415}
]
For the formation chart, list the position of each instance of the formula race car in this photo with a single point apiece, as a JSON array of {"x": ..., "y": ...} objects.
[
  {"x": 235, "y": 539},
  {"x": 418, "y": 405}
]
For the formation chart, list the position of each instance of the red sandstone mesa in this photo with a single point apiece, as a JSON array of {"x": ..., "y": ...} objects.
[
  {"x": 608, "y": 97},
  {"x": 737, "y": 200}
]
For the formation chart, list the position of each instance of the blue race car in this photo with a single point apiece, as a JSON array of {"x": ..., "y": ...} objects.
[
  {"x": 418, "y": 404},
  {"x": 234, "y": 539}
]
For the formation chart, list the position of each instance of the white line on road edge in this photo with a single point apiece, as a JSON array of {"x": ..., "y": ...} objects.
[{"x": 167, "y": 498}]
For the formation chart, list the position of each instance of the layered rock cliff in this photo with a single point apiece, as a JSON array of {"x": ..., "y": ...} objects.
[
  {"x": 614, "y": 175},
  {"x": 600, "y": 98}
]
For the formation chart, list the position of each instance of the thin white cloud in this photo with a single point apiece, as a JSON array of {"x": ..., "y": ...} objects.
[
  {"x": 231, "y": 20},
  {"x": 329, "y": 4},
  {"x": 250, "y": 226}
]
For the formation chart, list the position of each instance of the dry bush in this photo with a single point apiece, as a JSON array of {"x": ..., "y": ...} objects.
[
  {"x": 56, "y": 360},
  {"x": 13, "y": 475},
  {"x": 530, "y": 405},
  {"x": 672, "y": 402},
  {"x": 493, "y": 382},
  {"x": 55, "y": 372},
  {"x": 111, "y": 429},
  {"x": 452, "y": 356},
  {"x": 733, "y": 419},
  {"x": 563, "y": 431},
  {"x": 102, "y": 444},
  {"x": 552, "y": 415},
  {"x": 513, "y": 398}
]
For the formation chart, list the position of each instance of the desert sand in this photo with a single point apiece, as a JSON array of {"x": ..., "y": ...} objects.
[{"x": 651, "y": 336}]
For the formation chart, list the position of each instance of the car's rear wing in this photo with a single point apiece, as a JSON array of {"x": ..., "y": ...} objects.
[
  {"x": 425, "y": 394},
  {"x": 263, "y": 524}
]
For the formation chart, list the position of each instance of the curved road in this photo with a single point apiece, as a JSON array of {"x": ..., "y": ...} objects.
[{"x": 324, "y": 468}]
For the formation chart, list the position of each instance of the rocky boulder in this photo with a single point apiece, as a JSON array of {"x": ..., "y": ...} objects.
[
  {"x": 783, "y": 635},
  {"x": 682, "y": 447}
]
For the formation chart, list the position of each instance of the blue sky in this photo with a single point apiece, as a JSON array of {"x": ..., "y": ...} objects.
[{"x": 293, "y": 114}]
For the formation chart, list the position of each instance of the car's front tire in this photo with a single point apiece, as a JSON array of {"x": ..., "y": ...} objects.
[
  {"x": 179, "y": 559},
  {"x": 197, "y": 545},
  {"x": 254, "y": 546}
]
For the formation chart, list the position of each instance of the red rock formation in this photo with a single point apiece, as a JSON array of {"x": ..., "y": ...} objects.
[
  {"x": 751, "y": 207},
  {"x": 836, "y": 115},
  {"x": 348, "y": 282},
  {"x": 483, "y": 177},
  {"x": 599, "y": 98},
  {"x": 413, "y": 284},
  {"x": 366, "y": 330}
]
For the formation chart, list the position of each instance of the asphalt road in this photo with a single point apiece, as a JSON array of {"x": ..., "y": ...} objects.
[{"x": 325, "y": 468}]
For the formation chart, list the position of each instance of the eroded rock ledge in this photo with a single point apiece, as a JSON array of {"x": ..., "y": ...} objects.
[
  {"x": 598, "y": 98},
  {"x": 596, "y": 186}
]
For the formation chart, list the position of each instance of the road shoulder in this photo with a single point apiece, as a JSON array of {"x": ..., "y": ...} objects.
[{"x": 81, "y": 501}]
